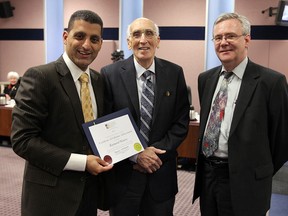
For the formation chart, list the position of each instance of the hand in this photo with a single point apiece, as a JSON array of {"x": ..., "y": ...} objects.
[
  {"x": 95, "y": 165},
  {"x": 7, "y": 97},
  {"x": 149, "y": 160},
  {"x": 139, "y": 168}
]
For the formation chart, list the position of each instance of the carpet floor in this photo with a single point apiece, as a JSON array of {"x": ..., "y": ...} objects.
[
  {"x": 11, "y": 173},
  {"x": 12, "y": 166}
]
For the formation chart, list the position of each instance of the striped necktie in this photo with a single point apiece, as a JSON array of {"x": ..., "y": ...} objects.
[
  {"x": 86, "y": 98},
  {"x": 212, "y": 133},
  {"x": 147, "y": 102}
]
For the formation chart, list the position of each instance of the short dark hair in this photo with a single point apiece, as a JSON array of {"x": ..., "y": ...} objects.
[{"x": 86, "y": 15}]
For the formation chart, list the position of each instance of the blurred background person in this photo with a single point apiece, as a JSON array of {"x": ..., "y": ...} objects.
[{"x": 11, "y": 89}]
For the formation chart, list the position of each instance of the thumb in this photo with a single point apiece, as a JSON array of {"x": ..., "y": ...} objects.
[{"x": 158, "y": 151}]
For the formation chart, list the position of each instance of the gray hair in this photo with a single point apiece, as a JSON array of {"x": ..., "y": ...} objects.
[
  {"x": 12, "y": 74},
  {"x": 129, "y": 27},
  {"x": 246, "y": 26}
]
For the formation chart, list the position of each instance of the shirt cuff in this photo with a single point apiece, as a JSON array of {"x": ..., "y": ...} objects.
[
  {"x": 134, "y": 158},
  {"x": 76, "y": 162}
]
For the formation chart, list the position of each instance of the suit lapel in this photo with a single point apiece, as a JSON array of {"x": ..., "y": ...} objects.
[
  {"x": 161, "y": 86},
  {"x": 69, "y": 87},
  {"x": 97, "y": 88},
  {"x": 128, "y": 75},
  {"x": 208, "y": 92},
  {"x": 248, "y": 85}
]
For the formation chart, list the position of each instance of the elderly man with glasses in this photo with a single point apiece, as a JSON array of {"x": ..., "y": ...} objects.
[{"x": 155, "y": 92}]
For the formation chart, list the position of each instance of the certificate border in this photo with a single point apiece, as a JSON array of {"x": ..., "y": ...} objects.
[{"x": 111, "y": 116}]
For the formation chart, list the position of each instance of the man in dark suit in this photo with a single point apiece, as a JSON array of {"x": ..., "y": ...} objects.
[
  {"x": 147, "y": 183},
  {"x": 237, "y": 178},
  {"x": 60, "y": 176}
]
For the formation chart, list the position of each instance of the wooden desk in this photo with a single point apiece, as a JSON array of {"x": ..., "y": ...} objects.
[
  {"x": 5, "y": 120},
  {"x": 189, "y": 146}
]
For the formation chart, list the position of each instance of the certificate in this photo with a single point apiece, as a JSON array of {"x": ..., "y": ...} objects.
[{"x": 114, "y": 137}]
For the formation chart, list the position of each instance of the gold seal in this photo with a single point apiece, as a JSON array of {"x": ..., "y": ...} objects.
[{"x": 137, "y": 147}]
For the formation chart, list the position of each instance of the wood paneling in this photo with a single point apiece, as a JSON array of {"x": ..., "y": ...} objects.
[
  {"x": 5, "y": 120},
  {"x": 189, "y": 146}
]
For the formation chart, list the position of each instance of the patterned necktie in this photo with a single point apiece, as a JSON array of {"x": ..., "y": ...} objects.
[
  {"x": 212, "y": 133},
  {"x": 147, "y": 101},
  {"x": 86, "y": 98}
]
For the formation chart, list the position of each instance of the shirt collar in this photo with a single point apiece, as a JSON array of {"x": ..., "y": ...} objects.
[
  {"x": 74, "y": 69},
  {"x": 239, "y": 70},
  {"x": 140, "y": 70}
]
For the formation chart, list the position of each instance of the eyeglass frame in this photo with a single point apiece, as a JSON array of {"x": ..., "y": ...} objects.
[
  {"x": 144, "y": 31},
  {"x": 230, "y": 37}
]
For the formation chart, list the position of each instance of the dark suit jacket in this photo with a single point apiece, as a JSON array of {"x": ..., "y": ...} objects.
[
  {"x": 258, "y": 141},
  {"x": 46, "y": 129},
  {"x": 169, "y": 124}
]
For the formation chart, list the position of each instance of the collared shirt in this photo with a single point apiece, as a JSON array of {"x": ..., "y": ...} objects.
[
  {"x": 76, "y": 73},
  {"x": 233, "y": 91},
  {"x": 140, "y": 79},
  {"x": 77, "y": 162},
  {"x": 140, "y": 82}
]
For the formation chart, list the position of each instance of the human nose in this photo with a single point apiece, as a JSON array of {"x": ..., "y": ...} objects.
[
  {"x": 143, "y": 35},
  {"x": 86, "y": 43},
  {"x": 143, "y": 38},
  {"x": 223, "y": 40}
]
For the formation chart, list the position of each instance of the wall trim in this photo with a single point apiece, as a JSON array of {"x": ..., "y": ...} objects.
[{"x": 166, "y": 33}]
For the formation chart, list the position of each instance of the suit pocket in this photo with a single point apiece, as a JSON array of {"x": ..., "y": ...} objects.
[
  {"x": 264, "y": 171},
  {"x": 38, "y": 176}
]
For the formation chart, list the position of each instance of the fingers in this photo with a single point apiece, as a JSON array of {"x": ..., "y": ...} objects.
[
  {"x": 151, "y": 153},
  {"x": 157, "y": 151},
  {"x": 139, "y": 168},
  {"x": 152, "y": 169},
  {"x": 101, "y": 162},
  {"x": 149, "y": 160},
  {"x": 96, "y": 165}
]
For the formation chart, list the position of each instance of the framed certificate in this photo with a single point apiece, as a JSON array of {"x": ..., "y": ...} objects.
[{"x": 114, "y": 137}]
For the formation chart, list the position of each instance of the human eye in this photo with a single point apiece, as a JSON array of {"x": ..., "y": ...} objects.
[
  {"x": 231, "y": 36},
  {"x": 149, "y": 33},
  {"x": 95, "y": 39},
  {"x": 217, "y": 38},
  {"x": 136, "y": 34},
  {"x": 79, "y": 36}
]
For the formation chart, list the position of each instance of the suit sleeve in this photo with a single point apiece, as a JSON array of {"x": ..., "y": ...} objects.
[
  {"x": 176, "y": 129},
  {"x": 278, "y": 123},
  {"x": 29, "y": 120}
]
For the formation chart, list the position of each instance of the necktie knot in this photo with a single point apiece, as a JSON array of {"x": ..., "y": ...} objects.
[
  {"x": 147, "y": 74},
  {"x": 84, "y": 78},
  {"x": 227, "y": 75}
]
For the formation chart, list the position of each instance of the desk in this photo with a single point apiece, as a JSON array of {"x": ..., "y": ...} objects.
[
  {"x": 188, "y": 147},
  {"x": 5, "y": 120}
]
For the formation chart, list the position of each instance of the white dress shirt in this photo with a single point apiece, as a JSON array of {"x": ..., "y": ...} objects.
[
  {"x": 77, "y": 162},
  {"x": 233, "y": 91},
  {"x": 140, "y": 82}
]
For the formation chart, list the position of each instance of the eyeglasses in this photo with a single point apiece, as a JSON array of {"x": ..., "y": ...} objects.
[
  {"x": 228, "y": 37},
  {"x": 147, "y": 32}
]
